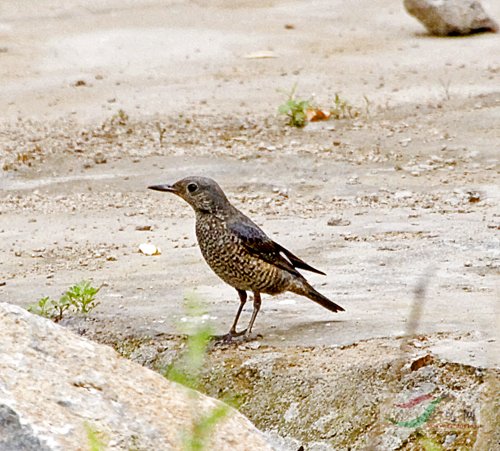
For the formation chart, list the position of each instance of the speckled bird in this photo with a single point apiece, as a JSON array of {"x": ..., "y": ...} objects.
[{"x": 239, "y": 252}]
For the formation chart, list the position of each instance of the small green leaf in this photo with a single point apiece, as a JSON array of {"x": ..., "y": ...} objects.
[
  {"x": 94, "y": 438},
  {"x": 80, "y": 298}
]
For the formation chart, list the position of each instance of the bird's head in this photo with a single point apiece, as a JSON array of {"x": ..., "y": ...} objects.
[{"x": 202, "y": 193}]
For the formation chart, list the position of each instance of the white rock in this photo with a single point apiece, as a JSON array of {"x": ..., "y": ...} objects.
[
  {"x": 403, "y": 195},
  {"x": 149, "y": 249},
  {"x": 451, "y": 17},
  {"x": 55, "y": 385}
]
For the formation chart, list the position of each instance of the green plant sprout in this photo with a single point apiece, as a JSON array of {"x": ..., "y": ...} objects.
[
  {"x": 119, "y": 118},
  {"x": 80, "y": 298},
  {"x": 300, "y": 111},
  {"x": 161, "y": 131},
  {"x": 295, "y": 109},
  {"x": 94, "y": 438},
  {"x": 342, "y": 109},
  {"x": 202, "y": 428},
  {"x": 186, "y": 370}
]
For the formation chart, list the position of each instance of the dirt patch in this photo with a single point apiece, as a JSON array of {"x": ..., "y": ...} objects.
[
  {"x": 310, "y": 396},
  {"x": 405, "y": 208},
  {"x": 100, "y": 102}
]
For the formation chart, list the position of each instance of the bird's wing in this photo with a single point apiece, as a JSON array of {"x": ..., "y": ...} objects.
[
  {"x": 297, "y": 262},
  {"x": 260, "y": 245}
]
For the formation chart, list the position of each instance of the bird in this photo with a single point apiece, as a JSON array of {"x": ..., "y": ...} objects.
[{"x": 239, "y": 251}]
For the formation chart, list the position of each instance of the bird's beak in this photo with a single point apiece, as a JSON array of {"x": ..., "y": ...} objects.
[{"x": 167, "y": 188}]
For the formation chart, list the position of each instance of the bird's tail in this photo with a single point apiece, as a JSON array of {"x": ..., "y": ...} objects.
[{"x": 308, "y": 291}]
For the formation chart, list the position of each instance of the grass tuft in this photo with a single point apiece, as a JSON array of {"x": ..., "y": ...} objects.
[{"x": 80, "y": 298}]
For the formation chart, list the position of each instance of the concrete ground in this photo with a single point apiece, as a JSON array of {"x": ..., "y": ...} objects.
[{"x": 414, "y": 176}]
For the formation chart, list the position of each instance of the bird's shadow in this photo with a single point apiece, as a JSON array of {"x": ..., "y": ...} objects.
[
  {"x": 307, "y": 326},
  {"x": 298, "y": 329}
]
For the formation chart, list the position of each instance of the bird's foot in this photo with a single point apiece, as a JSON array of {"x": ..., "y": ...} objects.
[{"x": 233, "y": 337}]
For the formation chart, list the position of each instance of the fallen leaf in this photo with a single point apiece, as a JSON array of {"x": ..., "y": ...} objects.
[
  {"x": 143, "y": 228},
  {"x": 261, "y": 54},
  {"x": 315, "y": 114},
  {"x": 473, "y": 196}
]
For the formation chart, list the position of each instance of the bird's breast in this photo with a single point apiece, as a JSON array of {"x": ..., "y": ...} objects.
[
  {"x": 232, "y": 262},
  {"x": 218, "y": 245}
]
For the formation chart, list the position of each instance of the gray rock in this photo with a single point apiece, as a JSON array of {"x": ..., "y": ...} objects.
[
  {"x": 58, "y": 389},
  {"x": 14, "y": 436},
  {"x": 451, "y": 17},
  {"x": 449, "y": 440}
]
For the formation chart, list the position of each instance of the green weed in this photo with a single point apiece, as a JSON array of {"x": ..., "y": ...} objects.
[
  {"x": 80, "y": 298},
  {"x": 119, "y": 118},
  {"x": 203, "y": 427},
  {"x": 161, "y": 131},
  {"x": 342, "y": 109},
  {"x": 301, "y": 111},
  {"x": 187, "y": 369},
  {"x": 295, "y": 109},
  {"x": 94, "y": 438},
  {"x": 43, "y": 307}
]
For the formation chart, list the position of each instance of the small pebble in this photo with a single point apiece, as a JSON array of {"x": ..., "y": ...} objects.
[
  {"x": 99, "y": 158},
  {"x": 338, "y": 221}
]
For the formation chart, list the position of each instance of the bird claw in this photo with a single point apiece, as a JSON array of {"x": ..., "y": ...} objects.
[{"x": 233, "y": 337}]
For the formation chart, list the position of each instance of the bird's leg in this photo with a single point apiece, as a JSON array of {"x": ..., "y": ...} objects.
[
  {"x": 243, "y": 300},
  {"x": 256, "y": 308},
  {"x": 228, "y": 338}
]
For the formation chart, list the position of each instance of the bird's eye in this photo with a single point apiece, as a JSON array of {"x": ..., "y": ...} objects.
[{"x": 192, "y": 187}]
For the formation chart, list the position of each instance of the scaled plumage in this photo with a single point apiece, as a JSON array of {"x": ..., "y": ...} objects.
[{"x": 239, "y": 252}]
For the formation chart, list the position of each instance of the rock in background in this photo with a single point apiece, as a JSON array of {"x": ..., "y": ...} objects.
[
  {"x": 57, "y": 390},
  {"x": 451, "y": 17}
]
